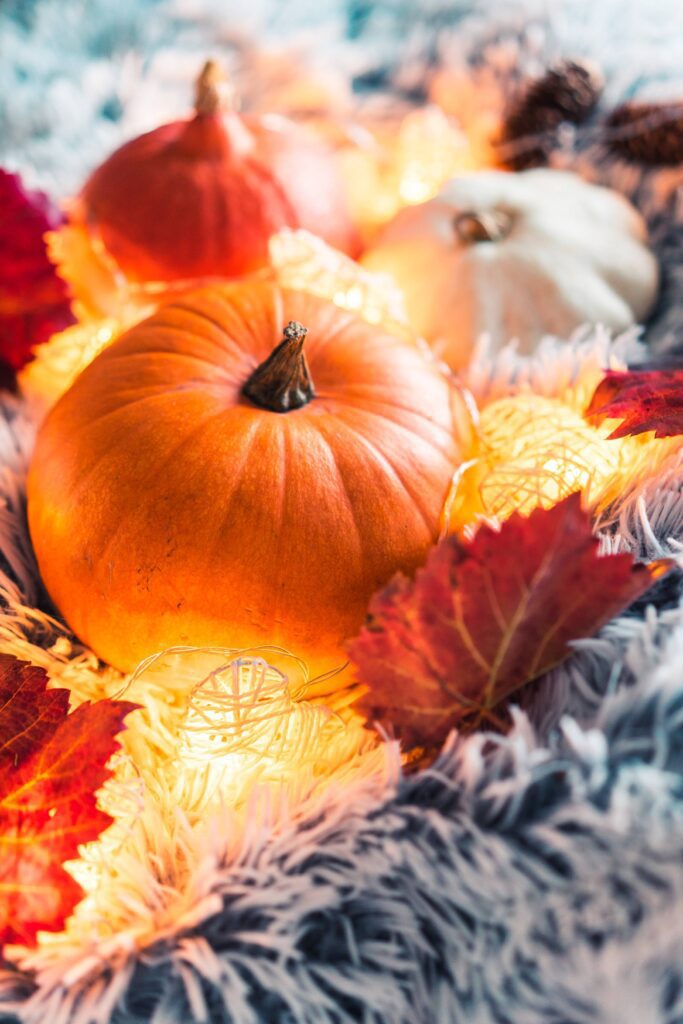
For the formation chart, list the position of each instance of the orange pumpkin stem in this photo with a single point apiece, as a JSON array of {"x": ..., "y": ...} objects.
[
  {"x": 214, "y": 92},
  {"x": 282, "y": 382}
]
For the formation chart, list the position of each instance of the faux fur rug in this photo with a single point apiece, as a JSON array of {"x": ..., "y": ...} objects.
[{"x": 535, "y": 878}]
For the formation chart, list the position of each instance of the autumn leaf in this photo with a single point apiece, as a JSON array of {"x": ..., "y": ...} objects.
[
  {"x": 644, "y": 399},
  {"x": 483, "y": 618},
  {"x": 51, "y": 765},
  {"x": 33, "y": 300}
]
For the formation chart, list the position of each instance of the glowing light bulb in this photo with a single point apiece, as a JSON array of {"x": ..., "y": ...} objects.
[
  {"x": 534, "y": 451},
  {"x": 241, "y": 721},
  {"x": 215, "y": 722},
  {"x": 430, "y": 150},
  {"x": 404, "y": 162},
  {"x": 303, "y": 261},
  {"x": 60, "y": 360}
]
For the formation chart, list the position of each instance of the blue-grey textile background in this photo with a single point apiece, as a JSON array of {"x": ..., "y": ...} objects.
[{"x": 532, "y": 879}]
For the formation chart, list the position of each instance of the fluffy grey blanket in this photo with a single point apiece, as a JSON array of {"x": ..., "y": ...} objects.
[{"x": 530, "y": 879}]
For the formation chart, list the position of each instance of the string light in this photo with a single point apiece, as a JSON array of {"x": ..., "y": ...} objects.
[
  {"x": 405, "y": 163},
  {"x": 241, "y": 722},
  {"x": 303, "y": 261},
  {"x": 430, "y": 149},
  {"x": 214, "y": 722},
  {"x": 532, "y": 451}
]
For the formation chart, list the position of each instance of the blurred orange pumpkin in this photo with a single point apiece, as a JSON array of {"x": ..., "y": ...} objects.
[
  {"x": 200, "y": 198},
  {"x": 198, "y": 486}
]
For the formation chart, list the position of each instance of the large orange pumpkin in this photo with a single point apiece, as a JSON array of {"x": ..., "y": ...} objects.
[
  {"x": 201, "y": 197},
  {"x": 193, "y": 488}
]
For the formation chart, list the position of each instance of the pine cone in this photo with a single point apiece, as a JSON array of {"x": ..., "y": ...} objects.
[
  {"x": 568, "y": 91},
  {"x": 647, "y": 133}
]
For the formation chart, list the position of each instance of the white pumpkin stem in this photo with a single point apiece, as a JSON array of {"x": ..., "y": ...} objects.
[
  {"x": 473, "y": 226},
  {"x": 214, "y": 92},
  {"x": 282, "y": 382}
]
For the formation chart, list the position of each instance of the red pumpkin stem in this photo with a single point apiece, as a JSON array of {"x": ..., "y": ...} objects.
[
  {"x": 472, "y": 226},
  {"x": 282, "y": 382},
  {"x": 214, "y": 93}
]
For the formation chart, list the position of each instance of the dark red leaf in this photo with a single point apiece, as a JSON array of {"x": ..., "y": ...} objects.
[
  {"x": 51, "y": 765},
  {"x": 485, "y": 617},
  {"x": 644, "y": 399},
  {"x": 33, "y": 300}
]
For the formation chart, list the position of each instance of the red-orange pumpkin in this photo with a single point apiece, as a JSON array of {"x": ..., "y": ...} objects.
[
  {"x": 200, "y": 198},
  {"x": 170, "y": 503}
]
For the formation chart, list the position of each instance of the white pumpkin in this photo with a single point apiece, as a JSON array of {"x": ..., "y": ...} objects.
[{"x": 517, "y": 256}]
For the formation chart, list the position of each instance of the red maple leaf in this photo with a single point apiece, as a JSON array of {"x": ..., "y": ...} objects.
[
  {"x": 33, "y": 301},
  {"x": 51, "y": 765},
  {"x": 485, "y": 617},
  {"x": 644, "y": 399}
]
